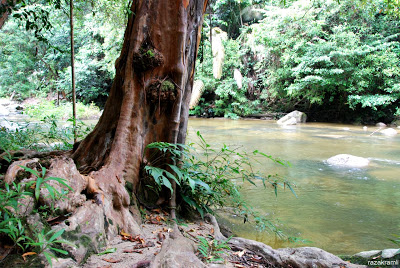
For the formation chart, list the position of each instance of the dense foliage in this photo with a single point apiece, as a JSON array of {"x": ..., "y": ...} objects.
[
  {"x": 209, "y": 179},
  {"x": 31, "y": 66},
  {"x": 335, "y": 60},
  {"x": 338, "y": 62}
]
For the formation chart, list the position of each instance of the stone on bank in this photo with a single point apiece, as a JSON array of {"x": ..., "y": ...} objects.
[{"x": 293, "y": 118}]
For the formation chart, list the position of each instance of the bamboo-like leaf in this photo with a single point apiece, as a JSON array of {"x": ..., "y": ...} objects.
[
  {"x": 59, "y": 250},
  {"x": 32, "y": 171},
  {"x": 43, "y": 172},
  {"x": 192, "y": 184},
  {"x": 48, "y": 257},
  {"x": 291, "y": 189},
  {"x": 55, "y": 235},
  {"x": 204, "y": 185},
  {"x": 39, "y": 181},
  {"x": 59, "y": 180},
  {"x": 107, "y": 251},
  {"x": 249, "y": 180},
  {"x": 171, "y": 176}
]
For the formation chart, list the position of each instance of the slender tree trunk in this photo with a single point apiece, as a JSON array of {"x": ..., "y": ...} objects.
[
  {"x": 149, "y": 98},
  {"x": 71, "y": 24},
  {"x": 211, "y": 35}
]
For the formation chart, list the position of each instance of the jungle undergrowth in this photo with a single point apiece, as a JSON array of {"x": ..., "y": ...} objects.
[
  {"x": 50, "y": 134},
  {"x": 206, "y": 178},
  {"x": 16, "y": 233}
]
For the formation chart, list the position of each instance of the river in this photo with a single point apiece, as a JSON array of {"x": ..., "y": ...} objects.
[{"x": 340, "y": 210}]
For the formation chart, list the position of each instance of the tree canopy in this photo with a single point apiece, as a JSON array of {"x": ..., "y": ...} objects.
[{"x": 340, "y": 56}]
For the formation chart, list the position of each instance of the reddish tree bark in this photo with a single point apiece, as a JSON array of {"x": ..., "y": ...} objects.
[
  {"x": 3, "y": 17},
  {"x": 148, "y": 101},
  {"x": 149, "y": 98}
]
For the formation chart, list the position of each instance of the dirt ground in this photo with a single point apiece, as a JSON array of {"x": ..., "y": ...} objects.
[{"x": 139, "y": 251}]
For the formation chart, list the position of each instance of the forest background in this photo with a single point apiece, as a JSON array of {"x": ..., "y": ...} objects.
[{"x": 336, "y": 61}]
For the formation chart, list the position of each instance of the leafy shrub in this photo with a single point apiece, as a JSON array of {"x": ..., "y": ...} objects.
[
  {"x": 329, "y": 56},
  {"x": 47, "y": 135},
  {"x": 212, "y": 249},
  {"x": 313, "y": 56},
  {"x": 223, "y": 96},
  {"x": 47, "y": 108},
  {"x": 13, "y": 222},
  {"x": 207, "y": 177}
]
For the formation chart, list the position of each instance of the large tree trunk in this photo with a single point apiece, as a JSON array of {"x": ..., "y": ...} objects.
[
  {"x": 4, "y": 4},
  {"x": 149, "y": 101},
  {"x": 149, "y": 98}
]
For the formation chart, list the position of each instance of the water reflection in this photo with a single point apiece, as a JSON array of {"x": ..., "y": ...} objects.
[{"x": 340, "y": 210}]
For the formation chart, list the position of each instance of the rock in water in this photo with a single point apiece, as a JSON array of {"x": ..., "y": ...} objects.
[
  {"x": 293, "y": 118},
  {"x": 292, "y": 257},
  {"x": 367, "y": 254},
  {"x": 390, "y": 253},
  {"x": 348, "y": 160},
  {"x": 389, "y": 132}
]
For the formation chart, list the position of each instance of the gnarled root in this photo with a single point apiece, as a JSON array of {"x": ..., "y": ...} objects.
[{"x": 97, "y": 207}]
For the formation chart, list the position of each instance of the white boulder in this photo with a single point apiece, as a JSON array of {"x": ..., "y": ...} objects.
[
  {"x": 389, "y": 132},
  {"x": 293, "y": 118},
  {"x": 348, "y": 160}
]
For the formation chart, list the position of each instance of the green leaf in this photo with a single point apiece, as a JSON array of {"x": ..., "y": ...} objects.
[
  {"x": 39, "y": 181},
  {"x": 291, "y": 189},
  {"x": 167, "y": 183},
  {"x": 177, "y": 171},
  {"x": 204, "y": 185},
  {"x": 192, "y": 184},
  {"x": 155, "y": 172},
  {"x": 107, "y": 251},
  {"x": 32, "y": 171},
  {"x": 59, "y": 250},
  {"x": 43, "y": 172},
  {"x": 172, "y": 177},
  {"x": 55, "y": 235},
  {"x": 48, "y": 257},
  {"x": 59, "y": 180}
]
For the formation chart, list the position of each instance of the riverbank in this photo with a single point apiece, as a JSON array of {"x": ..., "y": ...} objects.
[
  {"x": 343, "y": 202},
  {"x": 191, "y": 244}
]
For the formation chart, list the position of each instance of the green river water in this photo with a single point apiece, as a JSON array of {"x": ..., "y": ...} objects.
[{"x": 340, "y": 210}]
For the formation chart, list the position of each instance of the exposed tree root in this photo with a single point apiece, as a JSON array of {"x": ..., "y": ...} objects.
[
  {"x": 177, "y": 251},
  {"x": 97, "y": 207}
]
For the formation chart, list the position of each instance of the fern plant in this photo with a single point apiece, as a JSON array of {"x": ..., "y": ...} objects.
[
  {"x": 42, "y": 181},
  {"x": 212, "y": 250}
]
